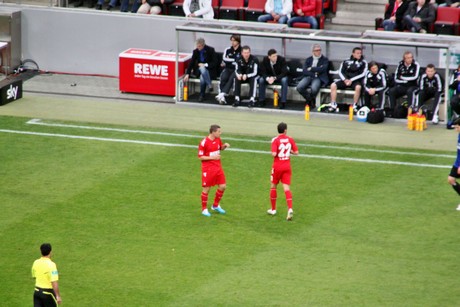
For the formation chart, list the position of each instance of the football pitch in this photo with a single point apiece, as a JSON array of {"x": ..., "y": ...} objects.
[{"x": 373, "y": 225}]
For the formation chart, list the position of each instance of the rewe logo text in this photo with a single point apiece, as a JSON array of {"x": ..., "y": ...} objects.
[{"x": 149, "y": 69}]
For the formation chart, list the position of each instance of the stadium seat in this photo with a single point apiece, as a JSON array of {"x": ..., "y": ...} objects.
[
  {"x": 330, "y": 6},
  {"x": 447, "y": 21},
  {"x": 319, "y": 16},
  {"x": 175, "y": 8},
  {"x": 379, "y": 20},
  {"x": 255, "y": 9},
  {"x": 231, "y": 9}
]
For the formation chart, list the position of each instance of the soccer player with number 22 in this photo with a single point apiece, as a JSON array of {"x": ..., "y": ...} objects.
[{"x": 282, "y": 148}]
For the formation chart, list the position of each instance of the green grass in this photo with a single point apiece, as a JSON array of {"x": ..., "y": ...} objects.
[{"x": 124, "y": 221}]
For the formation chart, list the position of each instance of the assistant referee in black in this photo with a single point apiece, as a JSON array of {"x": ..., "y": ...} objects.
[{"x": 46, "y": 279}]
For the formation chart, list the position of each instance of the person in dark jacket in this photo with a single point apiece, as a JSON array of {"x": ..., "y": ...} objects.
[
  {"x": 406, "y": 79},
  {"x": 247, "y": 68},
  {"x": 227, "y": 77},
  {"x": 351, "y": 73},
  {"x": 394, "y": 15},
  {"x": 315, "y": 76},
  {"x": 419, "y": 15},
  {"x": 430, "y": 86},
  {"x": 375, "y": 85},
  {"x": 273, "y": 70},
  {"x": 153, "y": 7},
  {"x": 204, "y": 65}
]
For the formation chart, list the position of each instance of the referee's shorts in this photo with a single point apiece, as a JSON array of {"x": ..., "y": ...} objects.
[{"x": 44, "y": 297}]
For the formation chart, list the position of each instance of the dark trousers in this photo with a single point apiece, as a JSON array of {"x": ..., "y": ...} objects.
[
  {"x": 399, "y": 91},
  {"x": 252, "y": 86},
  {"x": 425, "y": 95},
  {"x": 455, "y": 103},
  {"x": 44, "y": 298},
  {"x": 381, "y": 99},
  {"x": 227, "y": 79}
]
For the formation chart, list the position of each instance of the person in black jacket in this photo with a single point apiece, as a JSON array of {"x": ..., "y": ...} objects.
[
  {"x": 394, "y": 15},
  {"x": 273, "y": 70},
  {"x": 406, "y": 79},
  {"x": 154, "y": 7},
  {"x": 375, "y": 85},
  {"x": 247, "y": 68},
  {"x": 430, "y": 86},
  {"x": 419, "y": 15},
  {"x": 315, "y": 75},
  {"x": 227, "y": 77},
  {"x": 204, "y": 65}
]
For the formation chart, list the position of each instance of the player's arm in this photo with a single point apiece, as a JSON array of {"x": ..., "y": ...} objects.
[
  {"x": 56, "y": 291},
  {"x": 208, "y": 158},
  {"x": 225, "y": 146}
]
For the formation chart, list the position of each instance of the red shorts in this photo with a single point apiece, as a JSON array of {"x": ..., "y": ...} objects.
[
  {"x": 212, "y": 177},
  {"x": 283, "y": 175}
]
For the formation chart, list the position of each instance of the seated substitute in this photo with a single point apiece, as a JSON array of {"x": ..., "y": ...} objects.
[
  {"x": 351, "y": 73},
  {"x": 315, "y": 76},
  {"x": 305, "y": 11},
  {"x": 247, "y": 68},
  {"x": 375, "y": 85},
  {"x": 430, "y": 86},
  {"x": 273, "y": 70},
  {"x": 455, "y": 86},
  {"x": 204, "y": 65},
  {"x": 419, "y": 15},
  {"x": 277, "y": 10},
  {"x": 406, "y": 77},
  {"x": 227, "y": 76}
]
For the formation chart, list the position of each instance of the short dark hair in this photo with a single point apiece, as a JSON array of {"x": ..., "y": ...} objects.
[
  {"x": 213, "y": 128},
  {"x": 282, "y": 127},
  {"x": 357, "y": 48},
  {"x": 373, "y": 63},
  {"x": 271, "y": 51},
  {"x": 430, "y": 66},
  {"x": 236, "y": 37},
  {"x": 45, "y": 249},
  {"x": 246, "y": 47}
]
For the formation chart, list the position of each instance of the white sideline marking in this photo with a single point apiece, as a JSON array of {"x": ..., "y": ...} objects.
[
  {"x": 37, "y": 121},
  {"x": 230, "y": 149}
]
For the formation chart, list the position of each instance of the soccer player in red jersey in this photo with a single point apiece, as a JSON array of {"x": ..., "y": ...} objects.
[
  {"x": 211, "y": 169},
  {"x": 282, "y": 148}
]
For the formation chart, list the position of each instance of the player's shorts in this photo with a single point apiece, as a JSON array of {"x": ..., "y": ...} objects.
[
  {"x": 454, "y": 172},
  {"x": 341, "y": 85},
  {"x": 212, "y": 177},
  {"x": 283, "y": 175}
]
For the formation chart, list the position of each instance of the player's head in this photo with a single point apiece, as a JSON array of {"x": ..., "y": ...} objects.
[
  {"x": 374, "y": 67},
  {"x": 282, "y": 127},
  {"x": 408, "y": 57},
  {"x": 45, "y": 249},
  {"x": 272, "y": 55},
  {"x": 357, "y": 53},
  {"x": 430, "y": 70},
  {"x": 214, "y": 128},
  {"x": 236, "y": 40},
  {"x": 245, "y": 52}
]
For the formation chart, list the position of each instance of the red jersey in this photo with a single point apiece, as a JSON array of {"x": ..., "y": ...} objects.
[
  {"x": 210, "y": 148},
  {"x": 283, "y": 145}
]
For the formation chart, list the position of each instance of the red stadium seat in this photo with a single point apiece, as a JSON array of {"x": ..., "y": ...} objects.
[
  {"x": 447, "y": 21},
  {"x": 255, "y": 9},
  {"x": 319, "y": 16},
  {"x": 231, "y": 9}
]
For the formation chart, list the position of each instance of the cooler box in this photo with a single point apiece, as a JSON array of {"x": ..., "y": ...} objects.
[{"x": 150, "y": 71}]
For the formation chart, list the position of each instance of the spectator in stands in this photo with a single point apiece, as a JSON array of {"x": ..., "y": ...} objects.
[
  {"x": 430, "y": 86},
  {"x": 152, "y": 6},
  {"x": 305, "y": 11},
  {"x": 81, "y": 2},
  {"x": 406, "y": 77},
  {"x": 455, "y": 86},
  {"x": 277, "y": 10},
  {"x": 273, "y": 70},
  {"x": 375, "y": 85},
  {"x": 227, "y": 78},
  {"x": 204, "y": 65},
  {"x": 440, "y": 3},
  {"x": 315, "y": 76},
  {"x": 247, "y": 68},
  {"x": 394, "y": 15},
  {"x": 351, "y": 73},
  {"x": 419, "y": 15},
  {"x": 198, "y": 8}
]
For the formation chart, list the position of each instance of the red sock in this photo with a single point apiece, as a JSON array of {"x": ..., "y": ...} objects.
[
  {"x": 288, "y": 198},
  {"x": 218, "y": 197},
  {"x": 273, "y": 198},
  {"x": 204, "y": 201}
]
